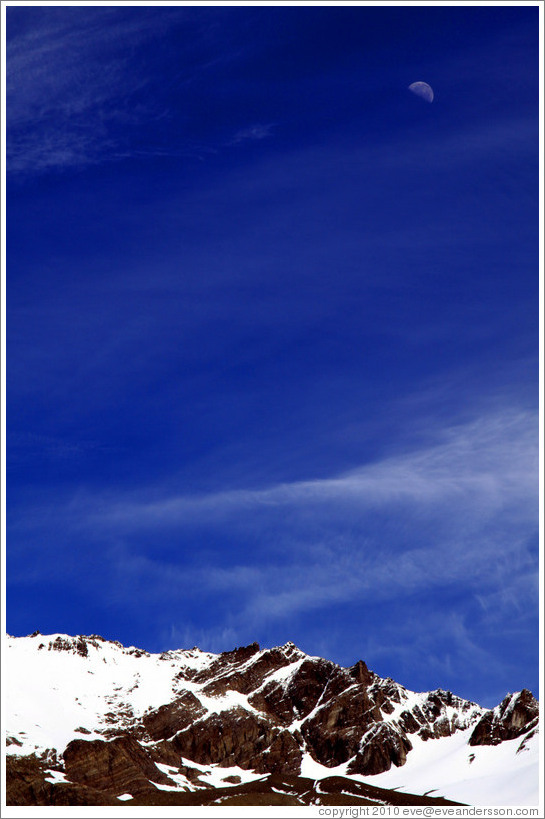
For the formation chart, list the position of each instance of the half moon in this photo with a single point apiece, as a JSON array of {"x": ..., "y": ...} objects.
[{"x": 423, "y": 90}]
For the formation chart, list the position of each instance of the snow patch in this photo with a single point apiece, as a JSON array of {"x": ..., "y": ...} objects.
[
  {"x": 55, "y": 777},
  {"x": 180, "y": 782},
  {"x": 233, "y": 699},
  {"x": 217, "y": 775},
  {"x": 315, "y": 770},
  {"x": 282, "y": 675}
]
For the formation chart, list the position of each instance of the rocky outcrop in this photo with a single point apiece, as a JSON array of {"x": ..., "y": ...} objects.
[
  {"x": 119, "y": 766},
  {"x": 26, "y": 784},
  {"x": 361, "y": 673},
  {"x": 514, "y": 716},
  {"x": 164, "y": 722},
  {"x": 380, "y": 747},
  {"x": 294, "y": 698},
  {"x": 238, "y": 737},
  {"x": 231, "y": 674},
  {"x": 283, "y": 756},
  {"x": 333, "y": 733},
  {"x": 440, "y": 714},
  {"x": 77, "y": 645}
]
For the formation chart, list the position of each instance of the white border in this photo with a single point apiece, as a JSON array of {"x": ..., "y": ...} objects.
[{"x": 284, "y": 812}]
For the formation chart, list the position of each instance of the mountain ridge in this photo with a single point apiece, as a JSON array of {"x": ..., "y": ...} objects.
[{"x": 160, "y": 720}]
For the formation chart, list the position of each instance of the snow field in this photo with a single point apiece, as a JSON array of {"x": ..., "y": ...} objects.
[{"x": 497, "y": 775}]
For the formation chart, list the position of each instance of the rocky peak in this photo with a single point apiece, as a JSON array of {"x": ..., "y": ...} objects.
[
  {"x": 239, "y": 655},
  {"x": 361, "y": 673},
  {"x": 290, "y": 649},
  {"x": 514, "y": 716}
]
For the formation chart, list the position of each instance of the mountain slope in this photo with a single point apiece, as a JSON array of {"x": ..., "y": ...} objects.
[{"x": 132, "y": 726}]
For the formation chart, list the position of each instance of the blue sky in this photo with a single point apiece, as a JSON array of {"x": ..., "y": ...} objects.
[{"x": 272, "y": 333}]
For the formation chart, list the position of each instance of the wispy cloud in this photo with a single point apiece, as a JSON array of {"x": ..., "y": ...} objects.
[
  {"x": 487, "y": 465},
  {"x": 211, "y": 639},
  {"x": 458, "y": 513},
  {"x": 253, "y": 133},
  {"x": 59, "y": 90},
  {"x": 74, "y": 88},
  {"x": 78, "y": 92}
]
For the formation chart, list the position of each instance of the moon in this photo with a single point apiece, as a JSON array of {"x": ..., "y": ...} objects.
[{"x": 423, "y": 90}]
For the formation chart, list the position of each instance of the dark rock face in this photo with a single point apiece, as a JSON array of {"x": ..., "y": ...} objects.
[
  {"x": 241, "y": 654},
  {"x": 237, "y": 737},
  {"x": 167, "y": 720},
  {"x": 314, "y": 681},
  {"x": 307, "y": 685},
  {"x": 409, "y": 723},
  {"x": 283, "y": 756},
  {"x": 26, "y": 785},
  {"x": 334, "y": 732},
  {"x": 383, "y": 746},
  {"x": 39, "y": 792},
  {"x": 119, "y": 766},
  {"x": 361, "y": 673},
  {"x": 228, "y": 674},
  {"x": 516, "y": 714}
]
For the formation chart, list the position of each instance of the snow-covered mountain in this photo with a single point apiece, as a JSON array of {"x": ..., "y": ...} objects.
[{"x": 90, "y": 721}]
